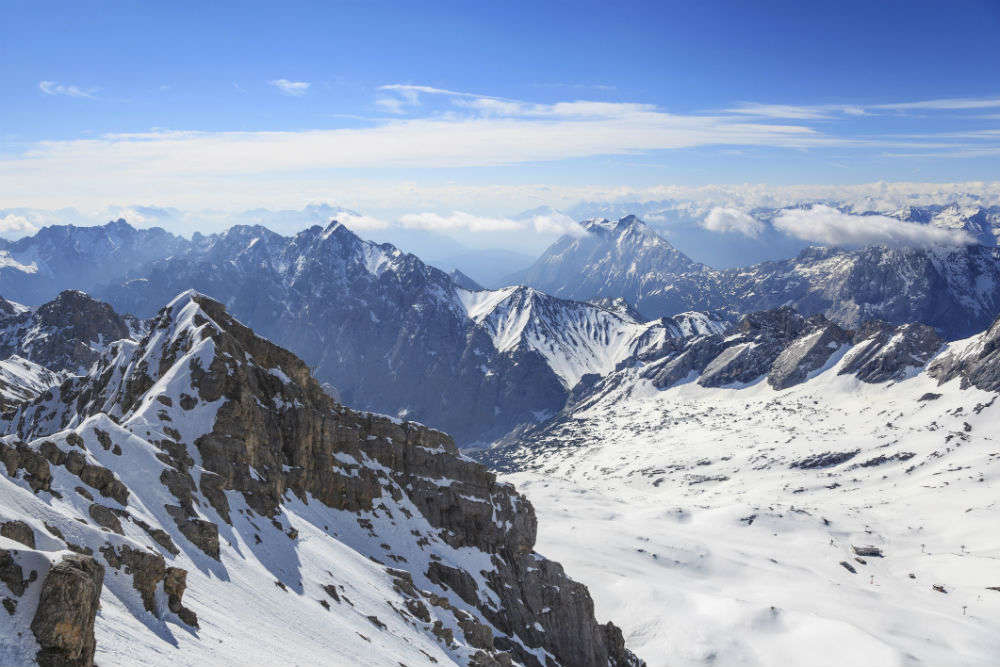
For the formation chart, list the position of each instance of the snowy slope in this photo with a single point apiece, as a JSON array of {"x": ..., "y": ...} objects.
[
  {"x": 302, "y": 532},
  {"x": 574, "y": 338},
  {"x": 719, "y": 523},
  {"x": 23, "y": 380}
]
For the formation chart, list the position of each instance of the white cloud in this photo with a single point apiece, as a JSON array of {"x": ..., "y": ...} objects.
[
  {"x": 398, "y": 97},
  {"x": 825, "y": 111},
  {"x": 189, "y": 159},
  {"x": 552, "y": 224},
  {"x": 356, "y": 222},
  {"x": 293, "y": 88},
  {"x": 557, "y": 223},
  {"x": 284, "y": 168},
  {"x": 13, "y": 226},
  {"x": 725, "y": 219},
  {"x": 946, "y": 104},
  {"x": 458, "y": 220},
  {"x": 781, "y": 111},
  {"x": 410, "y": 89},
  {"x": 797, "y": 112},
  {"x": 830, "y": 226},
  {"x": 56, "y": 88}
]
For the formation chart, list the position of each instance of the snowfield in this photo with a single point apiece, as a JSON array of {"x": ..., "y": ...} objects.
[{"x": 716, "y": 525}]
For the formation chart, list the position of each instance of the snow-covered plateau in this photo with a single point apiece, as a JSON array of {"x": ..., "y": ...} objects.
[{"x": 837, "y": 522}]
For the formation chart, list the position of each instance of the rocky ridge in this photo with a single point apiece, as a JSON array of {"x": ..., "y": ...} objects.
[
  {"x": 68, "y": 333},
  {"x": 784, "y": 349},
  {"x": 204, "y": 454}
]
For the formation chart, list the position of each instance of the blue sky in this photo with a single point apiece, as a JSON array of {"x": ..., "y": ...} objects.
[{"x": 488, "y": 108}]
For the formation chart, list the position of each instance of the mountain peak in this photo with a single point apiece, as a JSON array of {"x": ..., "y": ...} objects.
[
  {"x": 629, "y": 222},
  {"x": 464, "y": 281},
  {"x": 119, "y": 224}
]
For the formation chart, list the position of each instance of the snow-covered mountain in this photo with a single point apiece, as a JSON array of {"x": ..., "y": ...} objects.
[
  {"x": 23, "y": 380},
  {"x": 395, "y": 335},
  {"x": 614, "y": 259},
  {"x": 954, "y": 289},
  {"x": 66, "y": 334},
  {"x": 390, "y": 333},
  {"x": 67, "y": 257},
  {"x": 201, "y": 489},
  {"x": 682, "y": 222},
  {"x": 787, "y": 491},
  {"x": 574, "y": 338}
]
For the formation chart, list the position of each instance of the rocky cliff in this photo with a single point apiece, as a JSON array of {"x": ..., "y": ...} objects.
[{"x": 225, "y": 493}]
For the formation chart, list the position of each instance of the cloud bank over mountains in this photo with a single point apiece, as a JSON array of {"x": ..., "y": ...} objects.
[
  {"x": 828, "y": 226},
  {"x": 452, "y": 141}
]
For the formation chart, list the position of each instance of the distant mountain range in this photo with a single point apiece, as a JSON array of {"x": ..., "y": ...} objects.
[
  {"x": 955, "y": 289},
  {"x": 682, "y": 223},
  {"x": 387, "y": 332}
]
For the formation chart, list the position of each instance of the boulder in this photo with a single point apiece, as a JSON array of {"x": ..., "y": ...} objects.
[{"x": 63, "y": 624}]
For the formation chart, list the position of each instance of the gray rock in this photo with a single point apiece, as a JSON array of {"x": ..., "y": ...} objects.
[
  {"x": 760, "y": 339},
  {"x": 977, "y": 366},
  {"x": 63, "y": 623},
  {"x": 883, "y": 352},
  {"x": 807, "y": 353},
  {"x": 19, "y": 531}
]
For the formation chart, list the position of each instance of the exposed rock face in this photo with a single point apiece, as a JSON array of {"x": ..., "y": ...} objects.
[
  {"x": 268, "y": 436},
  {"x": 748, "y": 355},
  {"x": 884, "y": 352},
  {"x": 67, "y": 333},
  {"x": 19, "y": 531},
  {"x": 692, "y": 360},
  {"x": 786, "y": 348},
  {"x": 978, "y": 365},
  {"x": 807, "y": 353},
  {"x": 64, "y": 620},
  {"x": 464, "y": 281}
]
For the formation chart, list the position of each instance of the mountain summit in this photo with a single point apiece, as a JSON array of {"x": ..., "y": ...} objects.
[{"x": 624, "y": 258}]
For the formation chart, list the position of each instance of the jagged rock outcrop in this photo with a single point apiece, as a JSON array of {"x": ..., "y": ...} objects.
[
  {"x": 63, "y": 623},
  {"x": 749, "y": 354},
  {"x": 978, "y": 365},
  {"x": 882, "y": 352},
  {"x": 808, "y": 353},
  {"x": 692, "y": 360},
  {"x": 226, "y": 431}
]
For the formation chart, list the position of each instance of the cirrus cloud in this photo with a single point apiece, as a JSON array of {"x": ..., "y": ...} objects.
[
  {"x": 293, "y": 88},
  {"x": 56, "y": 88}
]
